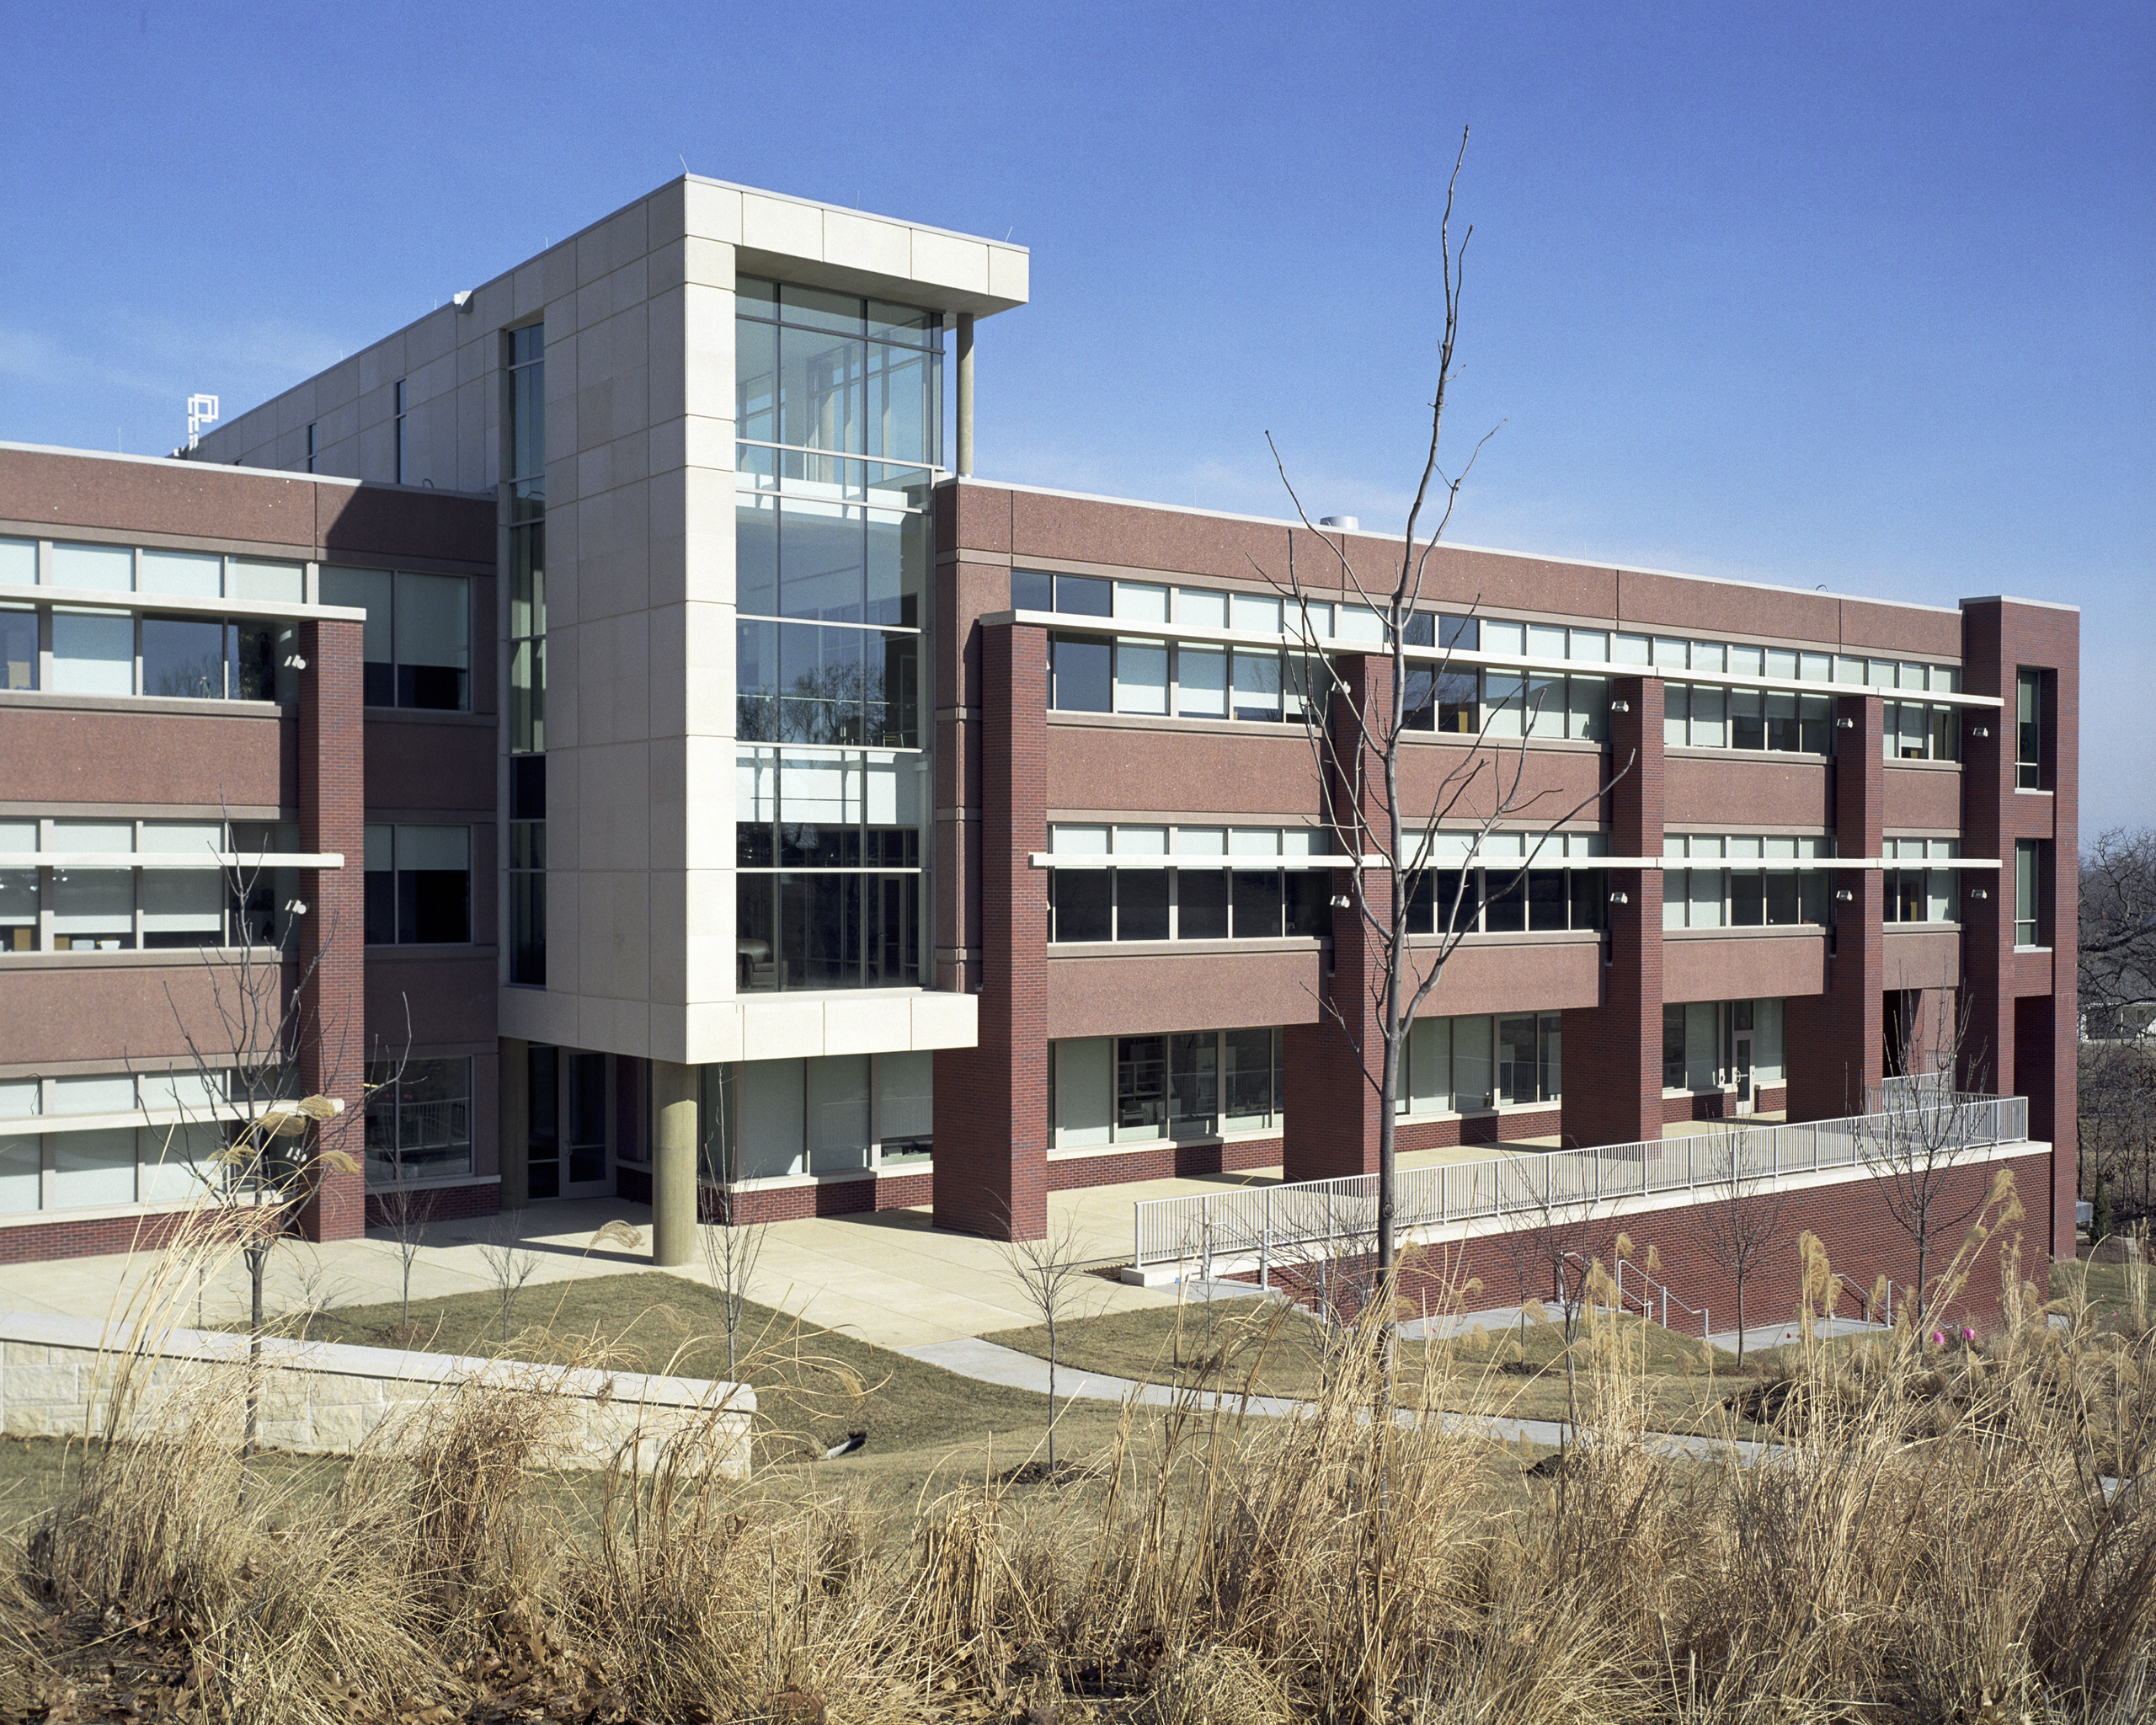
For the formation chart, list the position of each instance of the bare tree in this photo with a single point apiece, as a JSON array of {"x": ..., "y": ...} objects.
[
  {"x": 510, "y": 1263},
  {"x": 732, "y": 1249},
  {"x": 1742, "y": 1226},
  {"x": 1051, "y": 1276},
  {"x": 1357, "y": 747},
  {"x": 2116, "y": 1100},
  {"x": 1560, "y": 1245},
  {"x": 248, "y": 1054},
  {"x": 406, "y": 1212},
  {"x": 2117, "y": 971},
  {"x": 1927, "y": 1130}
]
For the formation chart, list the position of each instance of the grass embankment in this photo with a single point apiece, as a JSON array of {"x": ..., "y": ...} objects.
[
  {"x": 813, "y": 1387},
  {"x": 1267, "y": 1347}
]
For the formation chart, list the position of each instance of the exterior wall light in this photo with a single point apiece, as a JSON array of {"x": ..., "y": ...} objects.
[
  {"x": 1340, "y": 902},
  {"x": 1980, "y": 731},
  {"x": 1620, "y": 707},
  {"x": 1977, "y": 892},
  {"x": 1847, "y": 725},
  {"x": 1844, "y": 895},
  {"x": 1620, "y": 897}
]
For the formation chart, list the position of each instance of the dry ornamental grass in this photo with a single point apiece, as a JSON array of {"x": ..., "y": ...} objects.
[{"x": 1936, "y": 1533}]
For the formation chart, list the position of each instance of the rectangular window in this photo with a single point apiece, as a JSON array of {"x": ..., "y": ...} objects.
[
  {"x": 2029, "y": 731},
  {"x": 1079, "y": 673},
  {"x": 418, "y": 885},
  {"x": 2029, "y": 930},
  {"x": 419, "y": 1120},
  {"x": 527, "y": 899},
  {"x": 1672, "y": 1048},
  {"x": 416, "y": 647},
  {"x": 1081, "y": 904},
  {"x": 1141, "y": 1088},
  {"x": 93, "y": 653},
  {"x": 310, "y": 449},
  {"x": 18, "y": 657},
  {"x": 398, "y": 453}
]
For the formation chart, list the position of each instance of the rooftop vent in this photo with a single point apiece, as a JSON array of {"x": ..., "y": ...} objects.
[{"x": 1346, "y": 523}]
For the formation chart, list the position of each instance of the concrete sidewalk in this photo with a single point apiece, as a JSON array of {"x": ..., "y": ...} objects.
[{"x": 889, "y": 1277}]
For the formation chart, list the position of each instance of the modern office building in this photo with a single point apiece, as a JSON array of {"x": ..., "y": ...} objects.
[{"x": 744, "y": 786}]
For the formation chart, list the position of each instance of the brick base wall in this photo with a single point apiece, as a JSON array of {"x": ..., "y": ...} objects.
[
  {"x": 441, "y": 1203},
  {"x": 41, "y": 1243},
  {"x": 1861, "y": 1239},
  {"x": 834, "y": 1197},
  {"x": 1168, "y": 1160}
]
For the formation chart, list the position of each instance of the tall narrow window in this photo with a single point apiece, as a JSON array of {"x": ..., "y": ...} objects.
[
  {"x": 399, "y": 456},
  {"x": 2029, "y": 929},
  {"x": 2029, "y": 731},
  {"x": 527, "y": 654},
  {"x": 310, "y": 449}
]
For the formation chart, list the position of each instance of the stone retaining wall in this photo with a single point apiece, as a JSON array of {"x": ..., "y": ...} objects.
[{"x": 60, "y": 1376}]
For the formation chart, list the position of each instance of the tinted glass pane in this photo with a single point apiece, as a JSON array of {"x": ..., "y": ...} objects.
[
  {"x": 1309, "y": 903},
  {"x": 1084, "y": 595},
  {"x": 819, "y": 390},
  {"x": 756, "y": 682},
  {"x": 1257, "y": 906},
  {"x": 822, "y": 563},
  {"x": 1141, "y": 898},
  {"x": 18, "y": 649},
  {"x": 1505, "y": 911},
  {"x": 183, "y": 657},
  {"x": 1032, "y": 591},
  {"x": 756, "y": 379},
  {"x": 1459, "y": 711},
  {"x": 1080, "y": 668},
  {"x": 1747, "y": 901},
  {"x": 891, "y": 936},
  {"x": 434, "y": 905},
  {"x": 1547, "y": 899},
  {"x": 755, "y": 960},
  {"x": 1200, "y": 904},
  {"x": 93, "y": 655},
  {"x": 820, "y": 683},
  {"x": 892, "y": 690},
  {"x": 1082, "y": 898}
]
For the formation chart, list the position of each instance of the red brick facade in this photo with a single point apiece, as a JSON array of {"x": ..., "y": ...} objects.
[{"x": 991, "y": 1100}]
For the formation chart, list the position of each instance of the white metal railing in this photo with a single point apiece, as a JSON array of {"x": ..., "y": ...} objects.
[{"x": 1265, "y": 1225}]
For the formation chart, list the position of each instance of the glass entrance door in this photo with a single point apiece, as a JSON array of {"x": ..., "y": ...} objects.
[{"x": 566, "y": 1147}]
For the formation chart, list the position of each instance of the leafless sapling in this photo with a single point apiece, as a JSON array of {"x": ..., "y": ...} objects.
[
  {"x": 1359, "y": 742},
  {"x": 1052, "y": 1280},
  {"x": 1741, "y": 1225},
  {"x": 510, "y": 1263}
]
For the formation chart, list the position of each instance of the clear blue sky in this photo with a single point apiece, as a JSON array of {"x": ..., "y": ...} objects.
[{"x": 1857, "y": 296}]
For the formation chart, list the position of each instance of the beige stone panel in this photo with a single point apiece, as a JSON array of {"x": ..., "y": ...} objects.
[
  {"x": 378, "y": 404},
  {"x": 564, "y": 921},
  {"x": 711, "y": 211},
  {"x": 475, "y": 466},
  {"x": 432, "y": 338},
  {"x": 666, "y": 809},
  {"x": 779, "y": 1026},
  {"x": 617, "y": 1024},
  {"x": 495, "y": 303},
  {"x": 593, "y": 304},
  {"x": 665, "y": 690},
  {"x": 711, "y": 1032},
  {"x": 707, "y": 351},
  {"x": 614, "y": 819},
  {"x": 382, "y": 363},
  {"x": 782, "y": 226},
  {"x": 1010, "y": 273},
  {"x": 669, "y": 966},
  {"x": 707, "y": 642},
  {"x": 613, "y": 945},
  {"x": 708, "y": 528},
  {"x": 377, "y": 454},
  {"x": 867, "y": 1022},
  {"x": 711, "y": 959},
  {"x": 537, "y": 1014},
  {"x": 613, "y": 555},
  {"x": 478, "y": 352},
  {"x": 629, "y": 285},
  {"x": 947, "y": 260},
  {"x": 941, "y": 1019},
  {"x": 664, "y": 337},
  {"x": 662, "y": 214},
  {"x": 557, "y": 271},
  {"x": 857, "y": 242},
  {"x": 710, "y": 262},
  {"x": 566, "y": 652},
  {"x": 707, "y": 825}
]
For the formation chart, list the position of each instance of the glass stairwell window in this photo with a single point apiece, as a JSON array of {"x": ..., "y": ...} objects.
[{"x": 527, "y": 654}]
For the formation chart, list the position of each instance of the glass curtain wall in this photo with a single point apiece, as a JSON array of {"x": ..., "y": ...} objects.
[
  {"x": 527, "y": 654},
  {"x": 839, "y": 422}
]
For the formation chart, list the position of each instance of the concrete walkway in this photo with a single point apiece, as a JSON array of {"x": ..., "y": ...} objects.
[{"x": 985, "y": 1362}]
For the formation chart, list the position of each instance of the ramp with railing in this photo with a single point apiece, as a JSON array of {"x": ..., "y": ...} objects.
[{"x": 1258, "y": 1226}]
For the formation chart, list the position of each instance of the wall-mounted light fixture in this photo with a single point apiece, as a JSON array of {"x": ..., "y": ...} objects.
[
  {"x": 1340, "y": 902},
  {"x": 1844, "y": 896},
  {"x": 1846, "y": 724},
  {"x": 1977, "y": 892},
  {"x": 1980, "y": 731},
  {"x": 1620, "y": 707},
  {"x": 1620, "y": 897}
]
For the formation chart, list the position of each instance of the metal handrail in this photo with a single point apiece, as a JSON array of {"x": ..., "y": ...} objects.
[{"x": 1270, "y": 1223}]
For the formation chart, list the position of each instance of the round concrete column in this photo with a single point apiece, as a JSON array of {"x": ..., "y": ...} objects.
[
  {"x": 513, "y": 1108},
  {"x": 673, "y": 1162},
  {"x": 965, "y": 395}
]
